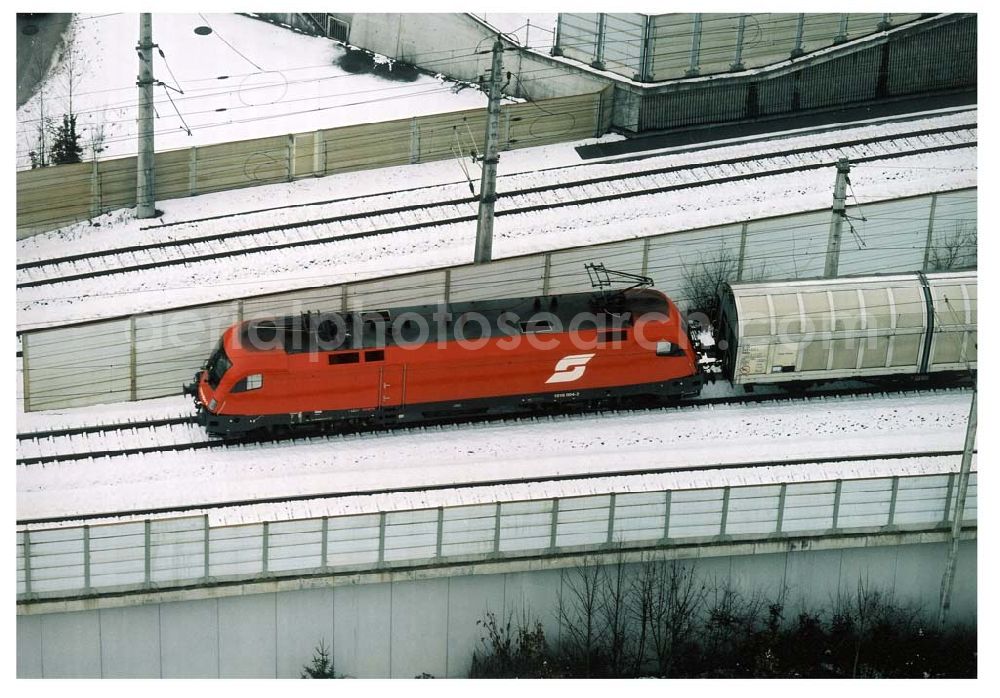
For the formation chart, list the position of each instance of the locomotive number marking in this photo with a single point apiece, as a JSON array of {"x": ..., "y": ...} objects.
[{"x": 570, "y": 368}]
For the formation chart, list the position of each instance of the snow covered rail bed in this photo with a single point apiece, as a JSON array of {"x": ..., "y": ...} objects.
[
  {"x": 134, "y": 438},
  {"x": 736, "y": 473},
  {"x": 520, "y": 195},
  {"x": 669, "y": 440}
]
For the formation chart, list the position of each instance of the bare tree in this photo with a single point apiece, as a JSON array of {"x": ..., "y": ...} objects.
[
  {"x": 673, "y": 599},
  {"x": 704, "y": 280},
  {"x": 956, "y": 251},
  {"x": 613, "y": 613},
  {"x": 579, "y": 604}
]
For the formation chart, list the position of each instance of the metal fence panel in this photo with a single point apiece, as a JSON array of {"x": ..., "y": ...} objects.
[
  {"x": 57, "y": 560},
  {"x": 170, "y": 347},
  {"x": 78, "y": 366},
  {"x": 386, "y": 293},
  {"x": 177, "y": 549},
  {"x": 117, "y": 554},
  {"x": 753, "y": 509},
  {"x": 921, "y": 499},
  {"x": 505, "y": 278},
  {"x": 468, "y": 530},
  {"x": 583, "y": 520},
  {"x": 295, "y": 545},
  {"x": 639, "y": 516},
  {"x": 236, "y": 550},
  {"x": 410, "y": 535},
  {"x": 352, "y": 540},
  {"x": 525, "y": 525},
  {"x": 808, "y": 506},
  {"x": 696, "y": 513},
  {"x": 865, "y": 503}
]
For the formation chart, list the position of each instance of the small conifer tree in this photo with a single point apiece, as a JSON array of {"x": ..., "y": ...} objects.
[
  {"x": 66, "y": 147},
  {"x": 322, "y": 664}
]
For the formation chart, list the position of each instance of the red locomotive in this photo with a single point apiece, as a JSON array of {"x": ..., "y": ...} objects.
[{"x": 426, "y": 363}]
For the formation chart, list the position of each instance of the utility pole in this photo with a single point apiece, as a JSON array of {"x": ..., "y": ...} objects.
[
  {"x": 839, "y": 213},
  {"x": 956, "y": 519},
  {"x": 145, "y": 196},
  {"x": 488, "y": 183}
]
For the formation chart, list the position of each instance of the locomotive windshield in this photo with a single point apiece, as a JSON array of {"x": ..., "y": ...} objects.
[{"x": 218, "y": 364}]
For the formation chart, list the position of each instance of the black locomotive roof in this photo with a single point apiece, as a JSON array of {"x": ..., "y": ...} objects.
[{"x": 332, "y": 331}]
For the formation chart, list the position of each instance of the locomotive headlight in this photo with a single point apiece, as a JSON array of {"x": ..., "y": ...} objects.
[
  {"x": 664, "y": 348},
  {"x": 213, "y": 404}
]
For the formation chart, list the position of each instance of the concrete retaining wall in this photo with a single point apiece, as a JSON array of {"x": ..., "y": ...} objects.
[{"x": 402, "y": 625}]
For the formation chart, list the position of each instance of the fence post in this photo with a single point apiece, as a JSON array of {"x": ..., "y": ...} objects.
[
  {"x": 319, "y": 165},
  {"x": 414, "y": 141},
  {"x": 930, "y": 232},
  {"x": 496, "y": 532},
  {"x": 841, "y": 30},
  {"x": 381, "y": 538},
  {"x": 440, "y": 531},
  {"x": 611, "y": 520},
  {"x": 799, "y": 31},
  {"x": 836, "y": 504},
  {"x": 205, "y": 552},
  {"x": 781, "y": 506},
  {"x": 264, "y": 544},
  {"x": 147, "y": 552},
  {"x": 192, "y": 171},
  {"x": 737, "y": 63},
  {"x": 725, "y": 510},
  {"x": 598, "y": 62},
  {"x": 86, "y": 558},
  {"x": 555, "y": 522},
  {"x": 95, "y": 189},
  {"x": 645, "y": 256},
  {"x": 743, "y": 249},
  {"x": 290, "y": 147},
  {"x": 547, "y": 274},
  {"x": 27, "y": 562},
  {"x": 693, "y": 69},
  {"x": 25, "y": 382},
  {"x": 892, "y": 500},
  {"x": 447, "y": 286},
  {"x": 132, "y": 381},
  {"x": 947, "y": 498},
  {"x": 666, "y": 516},
  {"x": 323, "y": 542}
]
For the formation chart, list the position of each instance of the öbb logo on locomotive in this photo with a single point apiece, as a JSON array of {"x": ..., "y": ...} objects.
[
  {"x": 570, "y": 368},
  {"x": 616, "y": 347}
]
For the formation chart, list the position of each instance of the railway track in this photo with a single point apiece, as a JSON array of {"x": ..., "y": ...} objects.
[
  {"x": 182, "y": 434},
  {"x": 618, "y": 182}
]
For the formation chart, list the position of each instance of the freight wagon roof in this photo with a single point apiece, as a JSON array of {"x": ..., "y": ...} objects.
[
  {"x": 791, "y": 285},
  {"x": 332, "y": 331}
]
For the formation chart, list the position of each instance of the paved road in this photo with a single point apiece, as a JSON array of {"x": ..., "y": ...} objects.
[{"x": 39, "y": 36}]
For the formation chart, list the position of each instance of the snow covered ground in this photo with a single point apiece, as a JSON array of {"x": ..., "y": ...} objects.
[
  {"x": 245, "y": 79},
  {"x": 440, "y": 246},
  {"x": 669, "y": 439}
]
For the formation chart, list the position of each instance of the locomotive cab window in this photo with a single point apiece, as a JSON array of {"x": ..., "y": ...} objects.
[{"x": 251, "y": 382}]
